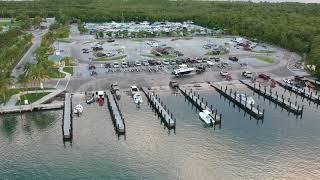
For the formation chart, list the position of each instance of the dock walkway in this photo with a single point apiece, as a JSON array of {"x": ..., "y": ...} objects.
[
  {"x": 250, "y": 108},
  {"x": 274, "y": 97},
  {"x": 162, "y": 110},
  {"x": 301, "y": 91},
  {"x": 67, "y": 117},
  {"x": 199, "y": 103},
  {"x": 116, "y": 114}
]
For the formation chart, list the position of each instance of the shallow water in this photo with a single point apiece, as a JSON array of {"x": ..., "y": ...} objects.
[{"x": 284, "y": 146}]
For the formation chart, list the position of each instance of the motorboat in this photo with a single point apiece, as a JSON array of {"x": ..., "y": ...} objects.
[
  {"x": 182, "y": 70},
  {"x": 78, "y": 109},
  {"x": 245, "y": 98},
  {"x": 137, "y": 98},
  {"x": 91, "y": 100},
  {"x": 206, "y": 116},
  {"x": 134, "y": 90}
]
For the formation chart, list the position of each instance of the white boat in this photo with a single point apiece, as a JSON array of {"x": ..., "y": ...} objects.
[
  {"x": 244, "y": 98},
  {"x": 78, "y": 109},
  {"x": 182, "y": 70},
  {"x": 134, "y": 90},
  {"x": 137, "y": 98},
  {"x": 206, "y": 116}
]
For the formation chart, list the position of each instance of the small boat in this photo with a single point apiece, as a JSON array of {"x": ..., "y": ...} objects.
[
  {"x": 244, "y": 98},
  {"x": 206, "y": 116},
  {"x": 91, "y": 100},
  {"x": 78, "y": 109},
  {"x": 137, "y": 98}
]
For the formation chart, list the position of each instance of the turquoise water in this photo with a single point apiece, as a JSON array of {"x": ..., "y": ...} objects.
[{"x": 284, "y": 146}]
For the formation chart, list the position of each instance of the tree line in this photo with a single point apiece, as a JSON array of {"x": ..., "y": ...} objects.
[{"x": 294, "y": 26}]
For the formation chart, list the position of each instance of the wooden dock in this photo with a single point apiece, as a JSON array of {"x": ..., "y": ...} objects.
[
  {"x": 201, "y": 105},
  {"x": 301, "y": 91},
  {"x": 116, "y": 115},
  {"x": 67, "y": 117},
  {"x": 163, "y": 112},
  {"x": 30, "y": 107},
  {"x": 232, "y": 96},
  {"x": 274, "y": 97}
]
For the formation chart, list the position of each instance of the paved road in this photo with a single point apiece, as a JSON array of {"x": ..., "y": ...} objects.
[{"x": 28, "y": 56}]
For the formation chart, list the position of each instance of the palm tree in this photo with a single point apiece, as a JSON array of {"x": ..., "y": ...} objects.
[
  {"x": 4, "y": 86},
  {"x": 23, "y": 80}
]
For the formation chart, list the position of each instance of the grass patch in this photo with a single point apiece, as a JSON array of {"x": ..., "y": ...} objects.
[
  {"x": 110, "y": 58},
  {"x": 54, "y": 73},
  {"x": 12, "y": 92},
  {"x": 68, "y": 69},
  {"x": 264, "y": 51},
  {"x": 224, "y": 52},
  {"x": 32, "y": 97},
  {"x": 65, "y": 40},
  {"x": 265, "y": 59}
]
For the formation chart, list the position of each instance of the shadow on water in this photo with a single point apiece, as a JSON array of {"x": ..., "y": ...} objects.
[
  {"x": 40, "y": 120},
  {"x": 8, "y": 125}
]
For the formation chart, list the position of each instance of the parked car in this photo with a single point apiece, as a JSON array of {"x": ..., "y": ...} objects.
[
  {"x": 152, "y": 62},
  {"x": 247, "y": 74},
  {"x": 200, "y": 69},
  {"x": 210, "y": 63},
  {"x": 224, "y": 73},
  {"x": 91, "y": 67},
  {"x": 173, "y": 84},
  {"x": 173, "y": 62},
  {"x": 93, "y": 73},
  {"x": 116, "y": 65},
  {"x": 233, "y": 58},
  {"x": 107, "y": 65},
  {"x": 145, "y": 63},
  {"x": 264, "y": 76},
  {"x": 178, "y": 61},
  {"x": 166, "y": 62},
  {"x": 159, "y": 62},
  {"x": 137, "y": 63},
  {"x": 199, "y": 60},
  {"x": 124, "y": 64}
]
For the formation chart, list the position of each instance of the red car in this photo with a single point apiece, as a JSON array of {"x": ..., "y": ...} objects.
[{"x": 264, "y": 77}]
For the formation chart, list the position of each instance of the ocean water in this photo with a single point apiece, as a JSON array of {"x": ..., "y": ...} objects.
[{"x": 282, "y": 146}]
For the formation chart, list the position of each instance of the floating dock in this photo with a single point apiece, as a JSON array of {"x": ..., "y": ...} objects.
[
  {"x": 199, "y": 103},
  {"x": 301, "y": 91},
  {"x": 232, "y": 96},
  {"x": 116, "y": 114},
  {"x": 67, "y": 117},
  {"x": 31, "y": 107},
  {"x": 274, "y": 97},
  {"x": 163, "y": 112}
]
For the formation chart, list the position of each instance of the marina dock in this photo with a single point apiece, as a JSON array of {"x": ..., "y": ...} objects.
[
  {"x": 30, "y": 107},
  {"x": 232, "y": 96},
  {"x": 67, "y": 118},
  {"x": 116, "y": 114},
  {"x": 274, "y": 97},
  {"x": 301, "y": 91},
  {"x": 198, "y": 102},
  {"x": 163, "y": 112}
]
